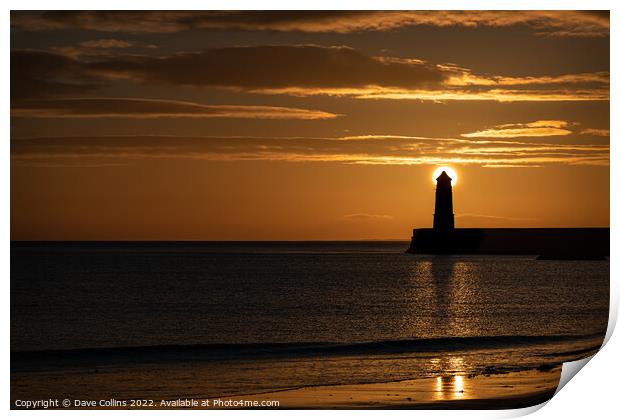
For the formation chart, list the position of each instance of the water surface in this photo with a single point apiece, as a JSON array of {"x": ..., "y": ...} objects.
[{"x": 226, "y": 318}]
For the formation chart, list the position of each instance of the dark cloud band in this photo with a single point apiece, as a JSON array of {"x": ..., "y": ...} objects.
[
  {"x": 140, "y": 108},
  {"x": 301, "y": 70},
  {"x": 543, "y": 22}
]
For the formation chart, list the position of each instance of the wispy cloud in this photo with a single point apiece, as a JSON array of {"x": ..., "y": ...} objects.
[
  {"x": 374, "y": 150},
  {"x": 446, "y": 95},
  {"x": 140, "y": 108},
  {"x": 542, "y": 128},
  {"x": 543, "y": 22},
  {"x": 600, "y": 132},
  {"x": 465, "y": 77},
  {"x": 509, "y": 165},
  {"x": 99, "y": 47}
]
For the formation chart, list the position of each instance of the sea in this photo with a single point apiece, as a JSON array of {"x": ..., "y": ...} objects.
[{"x": 206, "y": 319}]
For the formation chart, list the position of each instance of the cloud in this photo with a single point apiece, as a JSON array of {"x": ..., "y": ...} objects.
[
  {"x": 509, "y": 165},
  {"x": 154, "y": 108},
  {"x": 600, "y": 132},
  {"x": 543, "y": 22},
  {"x": 343, "y": 71},
  {"x": 542, "y": 128},
  {"x": 465, "y": 77},
  {"x": 99, "y": 47},
  {"x": 366, "y": 216},
  {"x": 371, "y": 150},
  {"x": 543, "y": 124},
  {"x": 300, "y": 70},
  {"x": 444, "y": 95},
  {"x": 106, "y": 43},
  {"x": 44, "y": 74},
  {"x": 272, "y": 67}
]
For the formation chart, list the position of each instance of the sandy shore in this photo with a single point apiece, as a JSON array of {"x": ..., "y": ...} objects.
[{"x": 492, "y": 391}]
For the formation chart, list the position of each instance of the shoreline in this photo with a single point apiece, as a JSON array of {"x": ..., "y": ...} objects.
[
  {"x": 484, "y": 391},
  {"x": 493, "y": 391}
]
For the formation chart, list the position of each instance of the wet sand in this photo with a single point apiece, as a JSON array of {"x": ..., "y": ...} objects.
[
  {"x": 486, "y": 391},
  {"x": 493, "y": 390}
]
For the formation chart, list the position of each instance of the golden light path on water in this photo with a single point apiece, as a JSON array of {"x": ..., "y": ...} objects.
[{"x": 450, "y": 171}]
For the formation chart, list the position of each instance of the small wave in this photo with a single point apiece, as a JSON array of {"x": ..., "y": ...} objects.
[{"x": 35, "y": 360}]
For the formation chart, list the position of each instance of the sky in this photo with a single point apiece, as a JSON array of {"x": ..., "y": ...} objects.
[{"x": 320, "y": 125}]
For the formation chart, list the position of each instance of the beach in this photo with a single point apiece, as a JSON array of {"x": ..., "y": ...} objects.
[
  {"x": 482, "y": 391},
  {"x": 497, "y": 391}
]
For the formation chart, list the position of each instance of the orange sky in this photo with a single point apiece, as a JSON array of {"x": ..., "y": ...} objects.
[{"x": 304, "y": 125}]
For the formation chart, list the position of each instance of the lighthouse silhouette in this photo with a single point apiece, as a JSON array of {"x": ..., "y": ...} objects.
[
  {"x": 546, "y": 243},
  {"x": 443, "y": 219}
]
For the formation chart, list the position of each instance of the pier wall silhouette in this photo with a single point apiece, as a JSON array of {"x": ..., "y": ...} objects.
[{"x": 547, "y": 243}]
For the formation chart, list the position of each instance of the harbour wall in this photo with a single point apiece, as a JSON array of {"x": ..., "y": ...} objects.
[{"x": 547, "y": 243}]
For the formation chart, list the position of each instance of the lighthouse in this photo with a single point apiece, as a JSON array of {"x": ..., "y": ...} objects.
[{"x": 443, "y": 219}]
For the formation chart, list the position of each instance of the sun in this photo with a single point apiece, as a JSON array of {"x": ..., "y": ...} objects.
[{"x": 451, "y": 173}]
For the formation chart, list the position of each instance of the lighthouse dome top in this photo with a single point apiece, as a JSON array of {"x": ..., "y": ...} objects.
[{"x": 443, "y": 176}]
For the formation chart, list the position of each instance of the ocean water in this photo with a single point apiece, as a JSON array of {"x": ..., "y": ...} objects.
[{"x": 177, "y": 320}]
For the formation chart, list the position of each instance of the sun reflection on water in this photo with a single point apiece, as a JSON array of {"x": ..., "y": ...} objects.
[
  {"x": 453, "y": 383},
  {"x": 459, "y": 389},
  {"x": 449, "y": 387},
  {"x": 439, "y": 388}
]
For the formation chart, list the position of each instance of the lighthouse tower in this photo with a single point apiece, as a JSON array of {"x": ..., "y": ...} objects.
[{"x": 443, "y": 219}]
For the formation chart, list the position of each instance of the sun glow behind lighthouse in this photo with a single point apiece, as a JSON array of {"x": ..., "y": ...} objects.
[{"x": 451, "y": 173}]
